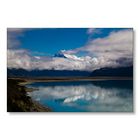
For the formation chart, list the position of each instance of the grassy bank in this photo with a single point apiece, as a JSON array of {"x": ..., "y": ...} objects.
[{"x": 19, "y": 101}]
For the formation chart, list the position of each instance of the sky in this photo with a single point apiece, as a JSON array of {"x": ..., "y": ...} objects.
[{"x": 69, "y": 48}]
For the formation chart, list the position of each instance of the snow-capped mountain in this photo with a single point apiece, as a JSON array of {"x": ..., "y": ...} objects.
[
  {"x": 60, "y": 54},
  {"x": 63, "y": 54}
]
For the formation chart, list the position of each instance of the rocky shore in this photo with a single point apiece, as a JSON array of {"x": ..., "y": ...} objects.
[{"x": 19, "y": 101}]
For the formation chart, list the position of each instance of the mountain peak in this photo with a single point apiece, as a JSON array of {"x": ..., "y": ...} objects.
[
  {"x": 60, "y": 54},
  {"x": 63, "y": 54}
]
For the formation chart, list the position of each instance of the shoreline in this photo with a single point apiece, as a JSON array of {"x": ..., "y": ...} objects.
[
  {"x": 18, "y": 99},
  {"x": 66, "y": 79}
]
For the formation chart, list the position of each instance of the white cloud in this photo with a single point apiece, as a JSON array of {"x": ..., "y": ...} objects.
[
  {"x": 22, "y": 59},
  {"x": 12, "y": 37},
  {"x": 94, "y": 31},
  {"x": 18, "y": 59},
  {"x": 111, "y": 51}
]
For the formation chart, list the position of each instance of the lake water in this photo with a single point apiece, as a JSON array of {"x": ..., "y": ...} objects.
[{"x": 95, "y": 96}]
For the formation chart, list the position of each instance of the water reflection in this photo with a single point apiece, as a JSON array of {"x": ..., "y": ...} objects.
[{"x": 85, "y": 96}]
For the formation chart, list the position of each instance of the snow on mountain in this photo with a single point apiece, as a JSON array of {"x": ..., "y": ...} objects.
[
  {"x": 63, "y": 54},
  {"x": 60, "y": 54}
]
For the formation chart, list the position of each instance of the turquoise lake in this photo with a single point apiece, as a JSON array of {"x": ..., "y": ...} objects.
[{"x": 85, "y": 96}]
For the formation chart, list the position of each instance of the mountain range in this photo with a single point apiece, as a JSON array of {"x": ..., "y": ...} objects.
[{"x": 110, "y": 72}]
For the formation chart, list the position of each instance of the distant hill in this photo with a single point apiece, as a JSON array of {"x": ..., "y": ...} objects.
[
  {"x": 45, "y": 73},
  {"x": 109, "y": 72},
  {"x": 122, "y": 72}
]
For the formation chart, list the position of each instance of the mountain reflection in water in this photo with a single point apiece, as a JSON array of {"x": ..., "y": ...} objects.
[{"x": 97, "y": 96}]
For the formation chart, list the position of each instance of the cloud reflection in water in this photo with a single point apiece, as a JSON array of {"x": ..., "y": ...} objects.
[{"x": 84, "y": 97}]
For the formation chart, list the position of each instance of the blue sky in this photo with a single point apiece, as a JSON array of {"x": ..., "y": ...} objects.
[
  {"x": 51, "y": 40},
  {"x": 82, "y": 48}
]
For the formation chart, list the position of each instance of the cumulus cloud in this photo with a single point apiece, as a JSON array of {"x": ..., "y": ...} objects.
[
  {"x": 112, "y": 51},
  {"x": 22, "y": 59},
  {"x": 18, "y": 58}
]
